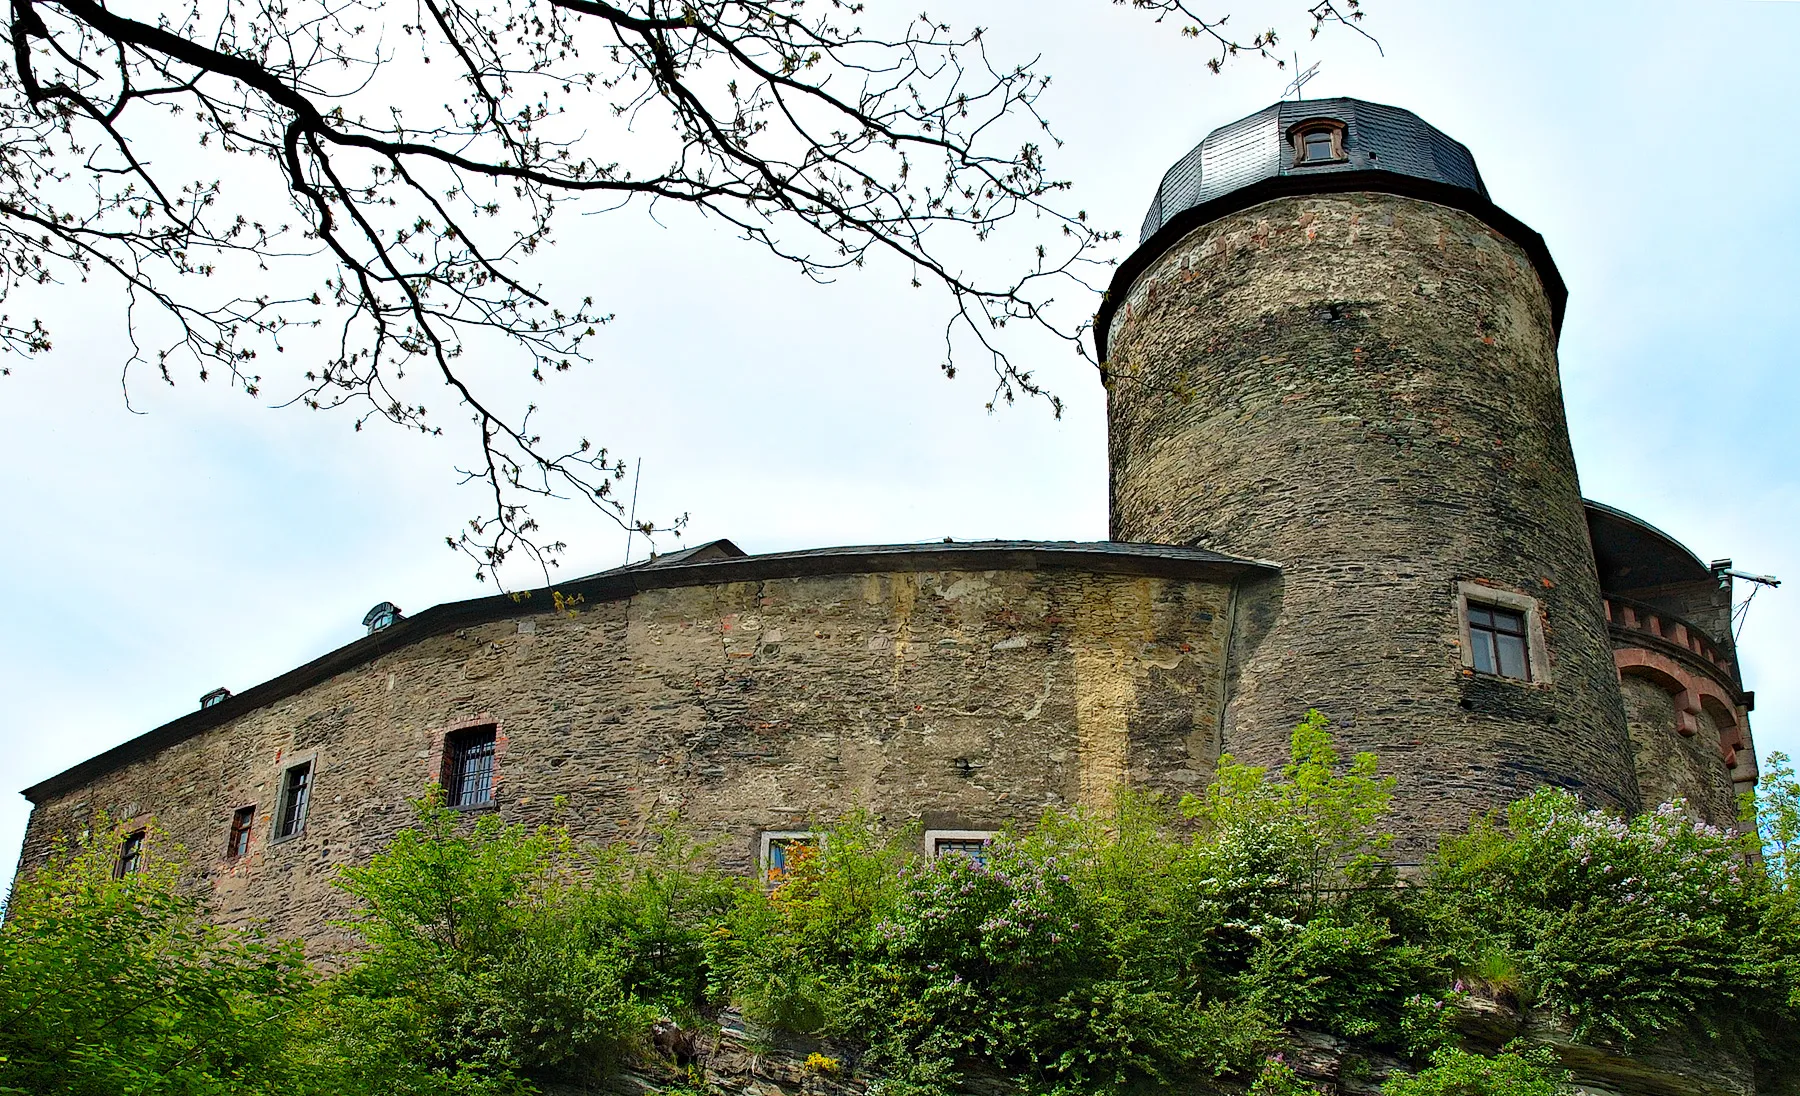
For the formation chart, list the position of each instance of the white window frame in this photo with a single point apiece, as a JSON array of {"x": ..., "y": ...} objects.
[
  {"x": 1537, "y": 654},
  {"x": 932, "y": 837},
  {"x": 769, "y": 837}
]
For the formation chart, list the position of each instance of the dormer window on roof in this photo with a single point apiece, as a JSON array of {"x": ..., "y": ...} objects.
[
  {"x": 217, "y": 696},
  {"x": 1319, "y": 142},
  {"x": 382, "y": 616}
]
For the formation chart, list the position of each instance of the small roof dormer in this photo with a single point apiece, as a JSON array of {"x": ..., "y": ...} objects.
[{"x": 384, "y": 615}]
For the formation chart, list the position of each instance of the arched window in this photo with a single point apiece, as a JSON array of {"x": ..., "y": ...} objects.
[
  {"x": 384, "y": 615},
  {"x": 1318, "y": 142}
]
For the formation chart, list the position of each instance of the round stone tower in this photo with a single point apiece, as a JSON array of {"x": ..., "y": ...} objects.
[{"x": 1332, "y": 351}]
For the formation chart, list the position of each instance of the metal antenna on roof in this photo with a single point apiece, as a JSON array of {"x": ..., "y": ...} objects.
[
  {"x": 1726, "y": 573},
  {"x": 1298, "y": 84},
  {"x": 631, "y": 527}
]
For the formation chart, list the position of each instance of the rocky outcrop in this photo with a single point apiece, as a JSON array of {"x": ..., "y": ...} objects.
[{"x": 744, "y": 1059}]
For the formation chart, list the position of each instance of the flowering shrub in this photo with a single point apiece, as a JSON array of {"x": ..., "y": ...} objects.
[
  {"x": 1629, "y": 927},
  {"x": 1277, "y": 1078}
]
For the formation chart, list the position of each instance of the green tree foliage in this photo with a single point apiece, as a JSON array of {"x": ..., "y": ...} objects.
[
  {"x": 1152, "y": 946},
  {"x": 1100, "y": 952},
  {"x": 116, "y": 986},
  {"x": 1774, "y": 812},
  {"x": 499, "y": 956},
  {"x": 1516, "y": 1071}
]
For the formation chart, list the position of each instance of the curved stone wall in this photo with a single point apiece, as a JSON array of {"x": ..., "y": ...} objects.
[
  {"x": 1363, "y": 388},
  {"x": 967, "y": 699},
  {"x": 1672, "y": 764}
]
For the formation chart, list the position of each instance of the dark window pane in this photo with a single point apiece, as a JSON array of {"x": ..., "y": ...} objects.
[
  {"x": 295, "y": 790},
  {"x": 131, "y": 854},
  {"x": 469, "y": 776},
  {"x": 1318, "y": 145},
  {"x": 1497, "y": 642},
  {"x": 1512, "y": 655}
]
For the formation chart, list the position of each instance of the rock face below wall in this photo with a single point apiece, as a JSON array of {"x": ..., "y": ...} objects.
[{"x": 741, "y": 1061}]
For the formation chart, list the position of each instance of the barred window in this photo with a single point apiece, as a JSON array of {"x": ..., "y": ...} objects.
[
  {"x": 237, "y": 843},
  {"x": 468, "y": 777},
  {"x": 972, "y": 844},
  {"x": 131, "y": 855},
  {"x": 1497, "y": 639},
  {"x": 296, "y": 788},
  {"x": 973, "y": 848}
]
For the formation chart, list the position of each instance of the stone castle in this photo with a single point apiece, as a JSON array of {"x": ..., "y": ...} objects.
[{"x": 1341, "y": 479}]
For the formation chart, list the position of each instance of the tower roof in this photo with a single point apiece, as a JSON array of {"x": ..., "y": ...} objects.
[
  {"x": 1253, "y": 160},
  {"x": 1249, "y": 150}
]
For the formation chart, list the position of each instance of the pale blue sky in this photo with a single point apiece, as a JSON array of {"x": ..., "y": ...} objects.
[{"x": 214, "y": 541}]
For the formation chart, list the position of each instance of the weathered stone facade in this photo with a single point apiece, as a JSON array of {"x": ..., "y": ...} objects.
[
  {"x": 965, "y": 698},
  {"x": 1364, "y": 387},
  {"x": 1344, "y": 374}
]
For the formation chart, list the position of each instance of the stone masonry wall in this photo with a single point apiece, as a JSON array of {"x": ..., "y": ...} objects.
[
  {"x": 967, "y": 699},
  {"x": 1364, "y": 388},
  {"x": 1671, "y": 765}
]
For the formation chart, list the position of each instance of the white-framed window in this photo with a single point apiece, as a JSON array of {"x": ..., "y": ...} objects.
[
  {"x": 972, "y": 844},
  {"x": 781, "y": 851},
  {"x": 1501, "y": 633}
]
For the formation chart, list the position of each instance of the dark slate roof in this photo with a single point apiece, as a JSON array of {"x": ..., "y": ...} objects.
[
  {"x": 1376, "y": 138},
  {"x": 1387, "y": 150},
  {"x": 706, "y": 564},
  {"x": 699, "y": 553},
  {"x": 1632, "y": 554}
]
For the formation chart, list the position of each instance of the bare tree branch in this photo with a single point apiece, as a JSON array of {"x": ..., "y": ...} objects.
[{"x": 417, "y": 152}]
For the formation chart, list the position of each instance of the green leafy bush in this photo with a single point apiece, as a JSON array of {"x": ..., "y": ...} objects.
[
  {"x": 499, "y": 956},
  {"x": 1098, "y": 953},
  {"x": 1516, "y": 1071},
  {"x": 119, "y": 986},
  {"x": 1150, "y": 946},
  {"x": 1631, "y": 928}
]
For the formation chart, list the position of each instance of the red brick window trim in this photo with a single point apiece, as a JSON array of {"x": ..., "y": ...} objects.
[
  {"x": 237, "y": 839},
  {"x": 465, "y": 762}
]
